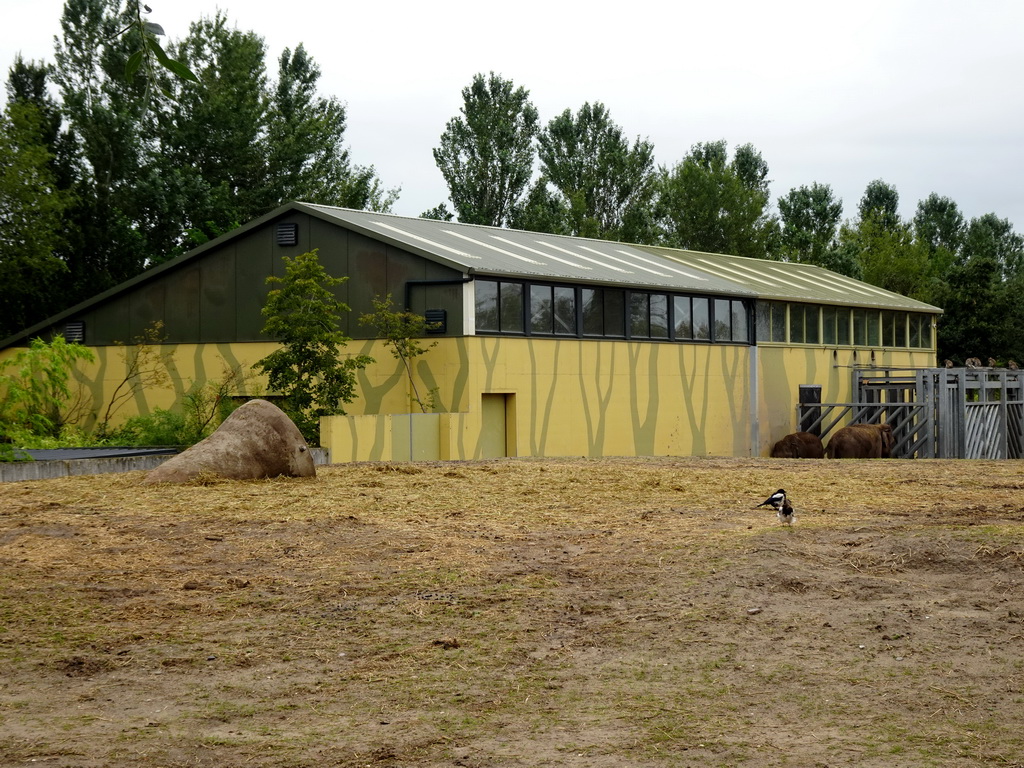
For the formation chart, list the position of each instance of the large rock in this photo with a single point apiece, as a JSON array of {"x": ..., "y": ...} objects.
[{"x": 257, "y": 440}]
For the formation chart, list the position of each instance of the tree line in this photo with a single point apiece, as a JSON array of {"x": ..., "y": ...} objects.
[
  {"x": 581, "y": 175},
  {"x": 109, "y": 165}
]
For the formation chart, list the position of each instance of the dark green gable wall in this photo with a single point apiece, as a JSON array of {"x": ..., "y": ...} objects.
[{"x": 217, "y": 295}]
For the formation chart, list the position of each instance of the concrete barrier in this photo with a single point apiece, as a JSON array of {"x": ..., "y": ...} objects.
[{"x": 45, "y": 470}]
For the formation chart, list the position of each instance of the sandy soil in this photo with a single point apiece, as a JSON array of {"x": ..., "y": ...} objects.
[{"x": 621, "y": 612}]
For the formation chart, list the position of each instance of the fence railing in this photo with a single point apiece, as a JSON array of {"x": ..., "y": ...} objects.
[{"x": 934, "y": 412}]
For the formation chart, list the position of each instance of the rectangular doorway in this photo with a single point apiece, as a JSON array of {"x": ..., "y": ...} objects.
[{"x": 497, "y": 428}]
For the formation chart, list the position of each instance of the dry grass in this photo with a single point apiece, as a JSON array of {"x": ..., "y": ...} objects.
[{"x": 615, "y": 612}]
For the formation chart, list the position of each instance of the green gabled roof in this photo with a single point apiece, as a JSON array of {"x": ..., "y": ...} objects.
[
  {"x": 479, "y": 250},
  {"x": 491, "y": 251}
]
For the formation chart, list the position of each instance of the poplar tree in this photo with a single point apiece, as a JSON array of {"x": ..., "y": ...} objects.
[
  {"x": 486, "y": 154},
  {"x": 708, "y": 202},
  {"x": 810, "y": 219},
  {"x": 605, "y": 184},
  {"x": 31, "y": 215}
]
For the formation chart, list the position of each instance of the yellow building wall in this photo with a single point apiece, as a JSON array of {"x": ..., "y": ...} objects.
[
  {"x": 783, "y": 368},
  {"x": 561, "y": 397}
]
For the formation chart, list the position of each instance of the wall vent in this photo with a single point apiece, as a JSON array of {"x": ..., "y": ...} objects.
[
  {"x": 287, "y": 234},
  {"x": 437, "y": 320},
  {"x": 75, "y": 331}
]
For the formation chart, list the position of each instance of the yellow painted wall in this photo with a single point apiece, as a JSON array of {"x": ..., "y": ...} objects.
[
  {"x": 563, "y": 397},
  {"x": 783, "y": 368}
]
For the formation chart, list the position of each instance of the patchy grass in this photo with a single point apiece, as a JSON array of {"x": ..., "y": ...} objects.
[{"x": 614, "y": 612}]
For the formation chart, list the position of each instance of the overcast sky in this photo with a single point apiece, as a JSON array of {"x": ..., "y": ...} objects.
[{"x": 925, "y": 95}]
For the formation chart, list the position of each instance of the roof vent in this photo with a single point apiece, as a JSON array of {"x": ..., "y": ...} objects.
[
  {"x": 287, "y": 234},
  {"x": 74, "y": 331},
  {"x": 437, "y": 320}
]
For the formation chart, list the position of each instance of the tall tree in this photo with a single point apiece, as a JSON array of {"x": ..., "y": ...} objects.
[
  {"x": 213, "y": 148},
  {"x": 810, "y": 219},
  {"x": 939, "y": 223},
  {"x": 710, "y": 203},
  {"x": 103, "y": 244},
  {"x": 31, "y": 213},
  {"x": 275, "y": 141},
  {"x": 939, "y": 227},
  {"x": 542, "y": 211},
  {"x": 880, "y": 202},
  {"x": 883, "y": 245},
  {"x": 977, "y": 311},
  {"x": 606, "y": 185},
  {"x": 890, "y": 258},
  {"x": 146, "y": 173},
  {"x": 306, "y": 154},
  {"x": 486, "y": 155},
  {"x": 992, "y": 238}
]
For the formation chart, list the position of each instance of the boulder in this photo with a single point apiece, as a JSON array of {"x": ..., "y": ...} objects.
[{"x": 258, "y": 440}]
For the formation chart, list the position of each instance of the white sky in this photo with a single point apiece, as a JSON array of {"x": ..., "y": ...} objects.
[{"x": 925, "y": 95}]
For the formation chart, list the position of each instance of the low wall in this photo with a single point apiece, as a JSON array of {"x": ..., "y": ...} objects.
[{"x": 45, "y": 470}]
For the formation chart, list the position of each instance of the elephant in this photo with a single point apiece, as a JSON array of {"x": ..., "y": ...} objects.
[
  {"x": 799, "y": 445},
  {"x": 861, "y": 441}
]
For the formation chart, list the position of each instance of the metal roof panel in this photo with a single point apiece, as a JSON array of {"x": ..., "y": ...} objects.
[{"x": 515, "y": 253}]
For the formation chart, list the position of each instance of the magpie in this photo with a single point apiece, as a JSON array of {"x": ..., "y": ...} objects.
[
  {"x": 777, "y": 500},
  {"x": 786, "y": 512}
]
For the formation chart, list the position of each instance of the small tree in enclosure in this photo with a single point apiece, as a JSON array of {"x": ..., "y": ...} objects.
[
  {"x": 308, "y": 371},
  {"x": 34, "y": 387},
  {"x": 402, "y": 331},
  {"x": 145, "y": 365}
]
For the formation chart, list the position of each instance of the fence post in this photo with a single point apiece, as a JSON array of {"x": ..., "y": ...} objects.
[
  {"x": 809, "y": 396},
  {"x": 961, "y": 416}
]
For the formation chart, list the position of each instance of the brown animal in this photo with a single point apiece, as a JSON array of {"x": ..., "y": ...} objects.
[
  {"x": 258, "y": 440},
  {"x": 799, "y": 445},
  {"x": 861, "y": 441}
]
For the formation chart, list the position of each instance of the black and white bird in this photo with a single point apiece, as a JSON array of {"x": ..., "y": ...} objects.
[
  {"x": 786, "y": 513},
  {"x": 777, "y": 500}
]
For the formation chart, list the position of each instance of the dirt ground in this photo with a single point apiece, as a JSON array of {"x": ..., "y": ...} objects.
[{"x": 614, "y": 612}]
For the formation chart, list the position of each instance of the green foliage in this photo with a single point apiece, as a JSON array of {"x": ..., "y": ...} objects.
[
  {"x": 161, "y": 427},
  {"x": 486, "y": 155},
  {"x": 31, "y": 215},
  {"x": 810, "y": 219},
  {"x": 150, "y": 53},
  {"x": 438, "y": 213},
  {"x": 34, "y": 386},
  {"x": 145, "y": 365},
  {"x": 206, "y": 405},
  {"x": 972, "y": 271},
  {"x": 101, "y": 151},
  {"x": 603, "y": 183},
  {"x": 939, "y": 224},
  {"x": 709, "y": 203},
  {"x": 977, "y": 310},
  {"x": 308, "y": 370},
  {"x": 120, "y": 168},
  {"x": 880, "y": 203},
  {"x": 980, "y": 294},
  {"x": 9, "y": 453},
  {"x": 542, "y": 211},
  {"x": 201, "y": 410},
  {"x": 889, "y": 257},
  {"x": 401, "y": 332}
]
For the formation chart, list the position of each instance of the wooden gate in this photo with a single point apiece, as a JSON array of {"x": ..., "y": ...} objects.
[{"x": 963, "y": 413}]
